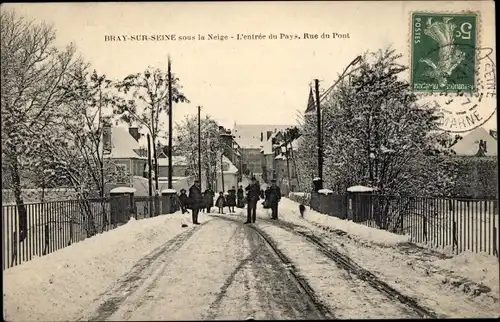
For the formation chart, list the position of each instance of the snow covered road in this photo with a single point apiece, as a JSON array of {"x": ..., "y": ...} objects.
[
  {"x": 220, "y": 270},
  {"x": 153, "y": 269}
]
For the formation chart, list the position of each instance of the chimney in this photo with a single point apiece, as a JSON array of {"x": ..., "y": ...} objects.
[
  {"x": 269, "y": 133},
  {"x": 261, "y": 136},
  {"x": 134, "y": 132}
]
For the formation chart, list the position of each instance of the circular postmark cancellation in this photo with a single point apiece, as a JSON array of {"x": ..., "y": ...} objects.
[
  {"x": 465, "y": 108},
  {"x": 450, "y": 73}
]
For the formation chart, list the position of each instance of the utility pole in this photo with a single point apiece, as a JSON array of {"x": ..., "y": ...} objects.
[
  {"x": 320, "y": 141},
  {"x": 199, "y": 143},
  {"x": 170, "y": 168},
  {"x": 222, "y": 170},
  {"x": 150, "y": 168}
]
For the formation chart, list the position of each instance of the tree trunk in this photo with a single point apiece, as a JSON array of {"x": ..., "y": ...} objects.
[{"x": 21, "y": 208}]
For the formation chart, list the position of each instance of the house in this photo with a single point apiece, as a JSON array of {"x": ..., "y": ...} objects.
[
  {"x": 476, "y": 156},
  {"x": 232, "y": 150},
  {"x": 179, "y": 166},
  {"x": 124, "y": 155},
  {"x": 250, "y": 139},
  {"x": 230, "y": 174}
]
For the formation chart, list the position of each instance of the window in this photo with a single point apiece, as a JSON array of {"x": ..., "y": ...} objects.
[
  {"x": 225, "y": 166},
  {"x": 121, "y": 174}
]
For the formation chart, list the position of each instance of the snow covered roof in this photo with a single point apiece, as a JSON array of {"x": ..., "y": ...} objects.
[
  {"x": 123, "y": 144},
  {"x": 178, "y": 160},
  {"x": 248, "y": 136},
  {"x": 469, "y": 144},
  {"x": 123, "y": 190},
  {"x": 360, "y": 189},
  {"x": 169, "y": 191},
  {"x": 325, "y": 191},
  {"x": 232, "y": 169}
]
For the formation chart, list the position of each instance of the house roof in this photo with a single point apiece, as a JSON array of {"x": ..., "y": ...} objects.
[
  {"x": 123, "y": 144},
  {"x": 311, "y": 104},
  {"x": 178, "y": 160},
  {"x": 469, "y": 144},
  {"x": 248, "y": 136},
  {"x": 231, "y": 169}
]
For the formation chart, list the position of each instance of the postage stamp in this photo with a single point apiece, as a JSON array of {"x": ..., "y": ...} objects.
[
  {"x": 450, "y": 71},
  {"x": 443, "y": 52}
]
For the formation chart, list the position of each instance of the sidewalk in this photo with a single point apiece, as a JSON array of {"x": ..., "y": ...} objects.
[{"x": 462, "y": 286}]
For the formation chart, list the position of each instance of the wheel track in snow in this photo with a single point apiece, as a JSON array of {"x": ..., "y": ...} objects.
[
  {"x": 303, "y": 286},
  {"x": 350, "y": 266},
  {"x": 143, "y": 276}
]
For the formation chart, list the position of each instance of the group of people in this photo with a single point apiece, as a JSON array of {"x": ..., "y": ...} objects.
[{"x": 204, "y": 201}]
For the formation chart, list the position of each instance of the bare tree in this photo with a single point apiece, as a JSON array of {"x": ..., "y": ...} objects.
[
  {"x": 31, "y": 75},
  {"x": 145, "y": 96},
  {"x": 211, "y": 145}
]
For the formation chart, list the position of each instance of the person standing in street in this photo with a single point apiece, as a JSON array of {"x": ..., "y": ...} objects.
[
  {"x": 240, "y": 195},
  {"x": 253, "y": 196},
  {"x": 183, "y": 198},
  {"x": 231, "y": 199},
  {"x": 221, "y": 202},
  {"x": 274, "y": 198},
  {"x": 196, "y": 201},
  {"x": 208, "y": 196}
]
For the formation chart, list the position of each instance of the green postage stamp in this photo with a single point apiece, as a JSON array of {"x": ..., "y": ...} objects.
[{"x": 443, "y": 52}]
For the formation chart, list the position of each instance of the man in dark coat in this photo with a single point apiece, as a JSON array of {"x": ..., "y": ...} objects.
[
  {"x": 196, "y": 201},
  {"x": 183, "y": 198},
  {"x": 231, "y": 199},
  {"x": 253, "y": 196},
  {"x": 274, "y": 198},
  {"x": 266, "y": 197},
  {"x": 208, "y": 196},
  {"x": 240, "y": 195}
]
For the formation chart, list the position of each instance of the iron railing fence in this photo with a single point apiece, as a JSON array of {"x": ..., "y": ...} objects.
[
  {"x": 456, "y": 223},
  {"x": 37, "y": 229}
]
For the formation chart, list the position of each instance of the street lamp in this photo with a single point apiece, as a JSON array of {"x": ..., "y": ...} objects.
[
  {"x": 318, "y": 114},
  {"x": 342, "y": 76}
]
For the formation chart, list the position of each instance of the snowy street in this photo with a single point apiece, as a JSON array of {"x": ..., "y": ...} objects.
[{"x": 153, "y": 269}]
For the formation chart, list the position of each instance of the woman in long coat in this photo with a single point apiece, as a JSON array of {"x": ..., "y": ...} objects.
[
  {"x": 231, "y": 199},
  {"x": 241, "y": 198},
  {"x": 208, "y": 196}
]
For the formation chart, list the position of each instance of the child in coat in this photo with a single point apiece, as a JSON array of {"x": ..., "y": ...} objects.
[{"x": 221, "y": 202}]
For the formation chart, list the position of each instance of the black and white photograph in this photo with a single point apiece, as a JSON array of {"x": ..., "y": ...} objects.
[{"x": 241, "y": 160}]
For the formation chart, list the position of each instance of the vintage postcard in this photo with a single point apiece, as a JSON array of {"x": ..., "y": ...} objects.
[{"x": 244, "y": 160}]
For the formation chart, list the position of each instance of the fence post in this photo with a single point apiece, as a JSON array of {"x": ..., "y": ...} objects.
[
  {"x": 424, "y": 228},
  {"x": 495, "y": 243},
  {"x": 454, "y": 235},
  {"x": 46, "y": 235}
]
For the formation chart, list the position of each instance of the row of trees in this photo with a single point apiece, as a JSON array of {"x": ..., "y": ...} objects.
[
  {"x": 377, "y": 134},
  {"x": 54, "y": 108}
]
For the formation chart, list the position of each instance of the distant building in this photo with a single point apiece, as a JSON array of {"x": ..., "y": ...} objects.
[
  {"x": 477, "y": 158},
  {"x": 250, "y": 139}
]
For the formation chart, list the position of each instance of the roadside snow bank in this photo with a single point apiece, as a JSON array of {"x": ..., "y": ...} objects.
[
  {"x": 478, "y": 267},
  {"x": 289, "y": 211},
  {"x": 59, "y": 285}
]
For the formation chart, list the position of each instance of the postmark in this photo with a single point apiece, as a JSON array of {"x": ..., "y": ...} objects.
[{"x": 450, "y": 72}]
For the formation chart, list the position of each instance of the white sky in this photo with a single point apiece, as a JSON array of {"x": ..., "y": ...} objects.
[{"x": 251, "y": 81}]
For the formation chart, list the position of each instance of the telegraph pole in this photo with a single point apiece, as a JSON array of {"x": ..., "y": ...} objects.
[
  {"x": 169, "y": 125},
  {"x": 320, "y": 141},
  {"x": 199, "y": 143},
  {"x": 222, "y": 170},
  {"x": 150, "y": 168}
]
